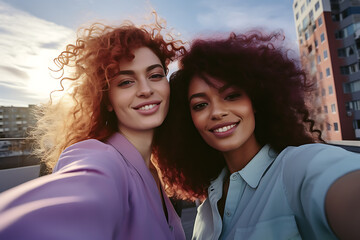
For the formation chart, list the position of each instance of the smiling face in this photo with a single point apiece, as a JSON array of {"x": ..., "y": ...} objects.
[
  {"x": 140, "y": 94},
  {"x": 224, "y": 117}
]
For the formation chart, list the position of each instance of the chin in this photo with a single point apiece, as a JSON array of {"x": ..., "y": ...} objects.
[
  {"x": 153, "y": 124},
  {"x": 224, "y": 147}
]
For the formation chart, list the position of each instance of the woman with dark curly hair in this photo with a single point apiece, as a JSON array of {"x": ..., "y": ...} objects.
[
  {"x": 100, "y": 134},
  {"x": 238, "y": 133}
]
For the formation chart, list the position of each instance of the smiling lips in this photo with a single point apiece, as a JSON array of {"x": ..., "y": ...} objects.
[
  {"x": 148, "y": 107},
  {"x": 224, "y": 130}
]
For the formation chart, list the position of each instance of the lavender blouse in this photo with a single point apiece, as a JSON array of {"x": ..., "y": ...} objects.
[{"x": 97, "y": 191}]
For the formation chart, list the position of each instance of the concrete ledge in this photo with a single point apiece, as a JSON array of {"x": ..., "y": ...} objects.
[{"x": 12, "y": 177}]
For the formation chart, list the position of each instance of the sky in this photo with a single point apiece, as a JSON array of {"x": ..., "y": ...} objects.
[{"x": 34, "y": 32}]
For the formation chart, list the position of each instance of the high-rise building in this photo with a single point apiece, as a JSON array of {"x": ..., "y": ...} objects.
[
  {"x": 328, "y": 33},
  {"x": 15, "y": 121}
]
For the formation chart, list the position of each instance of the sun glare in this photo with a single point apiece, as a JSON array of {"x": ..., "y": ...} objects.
[{"x": 42, "y": 81}]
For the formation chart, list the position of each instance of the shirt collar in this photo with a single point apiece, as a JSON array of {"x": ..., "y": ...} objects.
[
  {"x": 251, "y": 173},
  {"x": 255, "y": 169},
  {"x": 129, "y": 153},
  {"x": 217, "y": 184}
]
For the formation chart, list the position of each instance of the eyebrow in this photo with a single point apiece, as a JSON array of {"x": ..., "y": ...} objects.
[
  {"x": 149, "y": 68},
  {"x": 224, "y": 88},
  {"x": 220, "y": 90},
  {"x": 197, "y": 95}
]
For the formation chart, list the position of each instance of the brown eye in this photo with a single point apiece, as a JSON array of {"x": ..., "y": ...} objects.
[
  {"x": 157, "y": 76},
  {"x": 199, "y": 106},
  {"x": 125, "y": 83}
]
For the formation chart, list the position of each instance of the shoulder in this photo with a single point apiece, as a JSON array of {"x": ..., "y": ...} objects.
[
  {"x": 315, "y": 159},
  {"x": 315, "y": 154},
  {"x": 91, "y": 155},
  {"x": 312, "y": 149}
]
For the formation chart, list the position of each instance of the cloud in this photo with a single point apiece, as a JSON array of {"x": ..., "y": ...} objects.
[
  {"x": 51, "y": 45},
  {"x": 28, "y": 44},
  {"x": 14, "y": 71},
  {"x": 10, "y": 96},
  {"x": 235, "y": 16}
]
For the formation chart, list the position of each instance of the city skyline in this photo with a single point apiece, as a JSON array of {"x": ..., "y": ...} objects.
[{"x": 34, "y": 32}]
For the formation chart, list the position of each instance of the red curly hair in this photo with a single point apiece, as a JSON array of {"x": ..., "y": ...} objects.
[
  {"x": 93, "y": 61},
  {"x": 276, "y": 85}
]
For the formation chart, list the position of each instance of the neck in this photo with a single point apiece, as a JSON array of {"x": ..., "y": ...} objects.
[
  {"x": 237, "y": 159},
  {"x": 142, "y": 141}
]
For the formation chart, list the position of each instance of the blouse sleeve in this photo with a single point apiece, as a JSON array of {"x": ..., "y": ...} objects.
[
  {"x": 308, "y": 173},
  {"x": 80, "y": 200}
]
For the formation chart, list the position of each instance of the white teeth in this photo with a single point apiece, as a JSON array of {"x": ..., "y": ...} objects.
[
  {"x": 224, "y": 129},
  {"x": 147, "y": 107}
]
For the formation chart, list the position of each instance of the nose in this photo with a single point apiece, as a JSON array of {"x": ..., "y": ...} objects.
[
  {"x": 144, "y": 89},
  {"x": 218, "y": 112}
]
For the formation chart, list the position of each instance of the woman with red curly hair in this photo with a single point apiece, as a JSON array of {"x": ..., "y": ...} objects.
[
  {"x": 100, "y": 135},
  {"x": 241, "y": 137}
]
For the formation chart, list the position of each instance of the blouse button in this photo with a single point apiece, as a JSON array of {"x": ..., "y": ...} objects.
[
  {"x": 234, "y": 177},
  {"x": 228, "y": 213}
]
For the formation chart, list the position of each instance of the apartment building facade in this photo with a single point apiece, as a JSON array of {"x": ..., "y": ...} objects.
[
  {"x": 15, "y": 121},
  {"x": 328, "y": 33}
]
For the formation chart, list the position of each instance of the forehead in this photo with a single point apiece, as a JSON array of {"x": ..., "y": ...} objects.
[
  {"x": 143, "y": 57},
  {"x": 198, "y": 83}
]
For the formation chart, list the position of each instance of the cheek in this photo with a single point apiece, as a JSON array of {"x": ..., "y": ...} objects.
[
  {"x": 164, "y": 90},
  {"x": 198, "y": 121}
]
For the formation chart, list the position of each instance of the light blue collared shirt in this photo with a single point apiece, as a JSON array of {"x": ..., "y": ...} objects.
[{"x": 276, "y": 196}]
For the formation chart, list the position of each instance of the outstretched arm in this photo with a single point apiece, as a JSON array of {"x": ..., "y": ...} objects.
[
  {"x": 342, "y": 206},
  {"x": 80, "y": 201}
]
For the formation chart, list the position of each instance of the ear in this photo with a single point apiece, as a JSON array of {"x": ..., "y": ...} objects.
[{"x": 110, "y": 108}]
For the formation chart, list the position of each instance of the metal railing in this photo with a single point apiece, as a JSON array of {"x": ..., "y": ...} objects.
[{"x": 16, "y": 152}]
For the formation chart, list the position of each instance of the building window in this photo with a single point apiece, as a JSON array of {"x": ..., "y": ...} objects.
[
  {"x": 342, "y": 52},
  {"x": 345, "y": 32},
  {"x": 308, "y": 1},
  {"x": 331, "y": 91},
  {"x": 321, "y": 75},
  {"x": 327, "y": 72},
  {"x": 297, "y": 16},
  {"x": 328, "y": 126},
  {"x": 352, "y": 87},
  {"x": 306, "y": 35},
  {"x": 323, "y": 92},
  {"x": 336, "y": 126},
  {"x": 316, "y": 43},
  {"x": 353, "y": 68},
  {"x": 302, "y": 8},
  {"x": 322, "y": 37},
  {"x": 335, "y": 17},
  {"x": 317, "y": 5},
  {"x": 333, "y": 108},
  {"x": 344, "y": 70},
  {"x": 320, "y": 21},
  {"x": 325, "y": 54},
  {"x": 319, "y": 59},
  {"x": 305, "y": 22},
  {"x": 325, "y": 109},
  {"x": 311, "y": 15},
  {"x": 353, "y": 105},
  {"x": 295, "y": 5}
]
